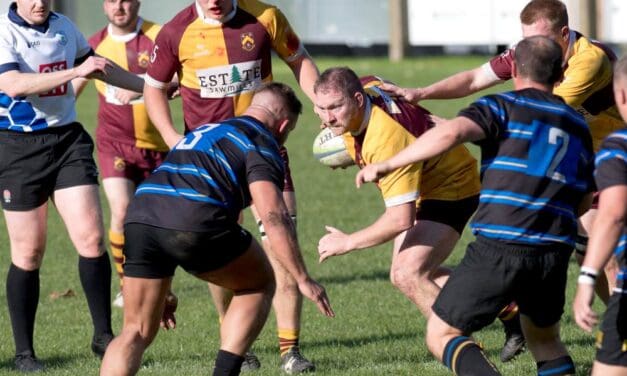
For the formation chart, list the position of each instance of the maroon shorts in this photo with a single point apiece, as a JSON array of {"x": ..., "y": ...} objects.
[{"x": 126, "y": 161}]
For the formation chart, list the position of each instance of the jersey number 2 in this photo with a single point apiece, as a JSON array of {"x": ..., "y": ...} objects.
[{"x": 550, "y": 150}]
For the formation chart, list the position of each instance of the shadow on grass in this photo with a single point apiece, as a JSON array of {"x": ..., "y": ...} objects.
[
  {"x": 50, "y": 363},
  {"x": 377, "y": 275}
]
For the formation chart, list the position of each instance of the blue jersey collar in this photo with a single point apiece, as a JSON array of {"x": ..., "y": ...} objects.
[{"x": 17, "y": 19}]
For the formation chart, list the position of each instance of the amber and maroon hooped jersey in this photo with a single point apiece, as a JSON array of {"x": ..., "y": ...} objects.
[
  {"x": 220, "y": 64},
  {"x": 587, "y": 83},
  {"x": 128, "y": 124}
]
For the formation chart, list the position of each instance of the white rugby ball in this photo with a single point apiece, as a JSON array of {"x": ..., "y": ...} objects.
[{"x": 330, "y": 150}]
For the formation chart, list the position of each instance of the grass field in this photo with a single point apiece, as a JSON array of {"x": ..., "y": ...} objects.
[{"x": 377, "y": 331}]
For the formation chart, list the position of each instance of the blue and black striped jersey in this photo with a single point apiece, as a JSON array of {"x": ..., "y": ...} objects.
[
  {"x": 203, "y": 182},
  {"x": 611, "y": 170},
  {"x": 537, "y": 164}
]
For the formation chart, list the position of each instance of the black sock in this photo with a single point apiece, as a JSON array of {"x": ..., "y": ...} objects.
[
  {"x": 95, "y": 275},
  {"x": 555, "y": 367},
  {"x": 22, "y": 299},
  {"x": 465, "y": 358},
  {"x": 227, "y": 364}
]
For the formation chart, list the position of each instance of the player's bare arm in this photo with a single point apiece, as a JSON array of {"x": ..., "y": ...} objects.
[
  {"x": 392, "y": 222},
  {"x": 79, "y": 84},
  {"x": 306, "y": 73},
  {"x": 606, "y": 231},
  {"x": 434, "y": 142},
  {"x": 16, "y": 84},
  {"x": 284, "y": 244},
  {"x": 158, "y": 108},
  {"x": 458, "y": 85}
]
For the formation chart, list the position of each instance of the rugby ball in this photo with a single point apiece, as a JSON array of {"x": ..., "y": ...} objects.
[{"x": 330, "y": 150}]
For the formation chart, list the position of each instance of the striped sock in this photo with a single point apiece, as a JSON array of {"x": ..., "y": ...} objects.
[
  {"x": 464, "y": 357},
  {"x": 116, "y": 243},
  {"x": 288, "y": 339},
  {"x": 560, "y": 366},
  {"x": 509, "y": 312}
]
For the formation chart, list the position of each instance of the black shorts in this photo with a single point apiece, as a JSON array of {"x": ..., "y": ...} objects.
[
  {"x": 34, "y": 165},
  {"x": 492, "y": 274},
  {"x": 452, "y": 213},
  {"x": 612, "y": 339},
  {"x": 154, "y": 252}
]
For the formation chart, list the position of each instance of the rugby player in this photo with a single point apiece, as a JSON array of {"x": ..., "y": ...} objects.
[
  {"x": 537, "y": 162},
  {"x": 185, "y": 214}
]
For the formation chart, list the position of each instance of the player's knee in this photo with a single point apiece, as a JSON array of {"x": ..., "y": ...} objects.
[
  {"x": 405, "y": 277},
  {"x": 27, "y": 259},
  {"x": 90, "y": 244},
  {"x": 138, "y": 335}
]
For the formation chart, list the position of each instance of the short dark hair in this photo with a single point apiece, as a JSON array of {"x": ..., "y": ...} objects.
[
  {"x": 292, "y": 104},
  {"x": 552, "y": 10},
  {"x": 341, "y": 79},
  {"x": 539, "y": 59},
  {"x": 620, "y": 69}
]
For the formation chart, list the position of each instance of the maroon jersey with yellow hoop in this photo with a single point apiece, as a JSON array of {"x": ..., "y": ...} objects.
[
  {"x": 126, "y": 123},
  {"x": 587, "y": 83},
  {"x": 220, "y": 64}
]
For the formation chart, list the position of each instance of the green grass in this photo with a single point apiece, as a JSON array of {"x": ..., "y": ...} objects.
[{"x": 377, "y": 331}]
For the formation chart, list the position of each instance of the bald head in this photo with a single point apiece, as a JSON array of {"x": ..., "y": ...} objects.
[
  {"x": 275, "y": 105},
  {"x": 539, "y": 59}
]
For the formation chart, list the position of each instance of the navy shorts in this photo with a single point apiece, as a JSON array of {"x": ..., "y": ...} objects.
[
  {"x": 154, "y": 252},
  {"x": 34, "y": 165},
  {"x": 451, "y": 213},
  {"x": 492, "y": 274}
]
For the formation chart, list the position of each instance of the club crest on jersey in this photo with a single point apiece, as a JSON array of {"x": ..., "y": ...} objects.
[
  {"x": 6, "y": 195},
  {"x": 119, "y": 164},
  {"x": 62, "y": 38},
  {"x": 143, "y": 58},
  {"x": 248, "y": 42}
]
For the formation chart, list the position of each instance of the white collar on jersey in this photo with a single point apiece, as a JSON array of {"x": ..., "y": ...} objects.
[
  {"x": 366, "y": 119},
  {"x": 212, "y": 21},
  {"x": 126, "y": 37}
]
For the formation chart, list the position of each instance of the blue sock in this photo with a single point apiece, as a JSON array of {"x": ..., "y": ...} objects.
[{"x": 556, "y": 367}]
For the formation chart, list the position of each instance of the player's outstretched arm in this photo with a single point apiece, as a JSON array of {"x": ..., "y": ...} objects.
[
  {"x": 17, "y": 84},
  {"x": 606, "y": 230},
  {"x": 281, "y": 233},
  {"x": 117, "y": 76},
  {"x": 392, "y": 222},
  {"x": 458, "y": 85},
  {"x": 435, "y": 141}
]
